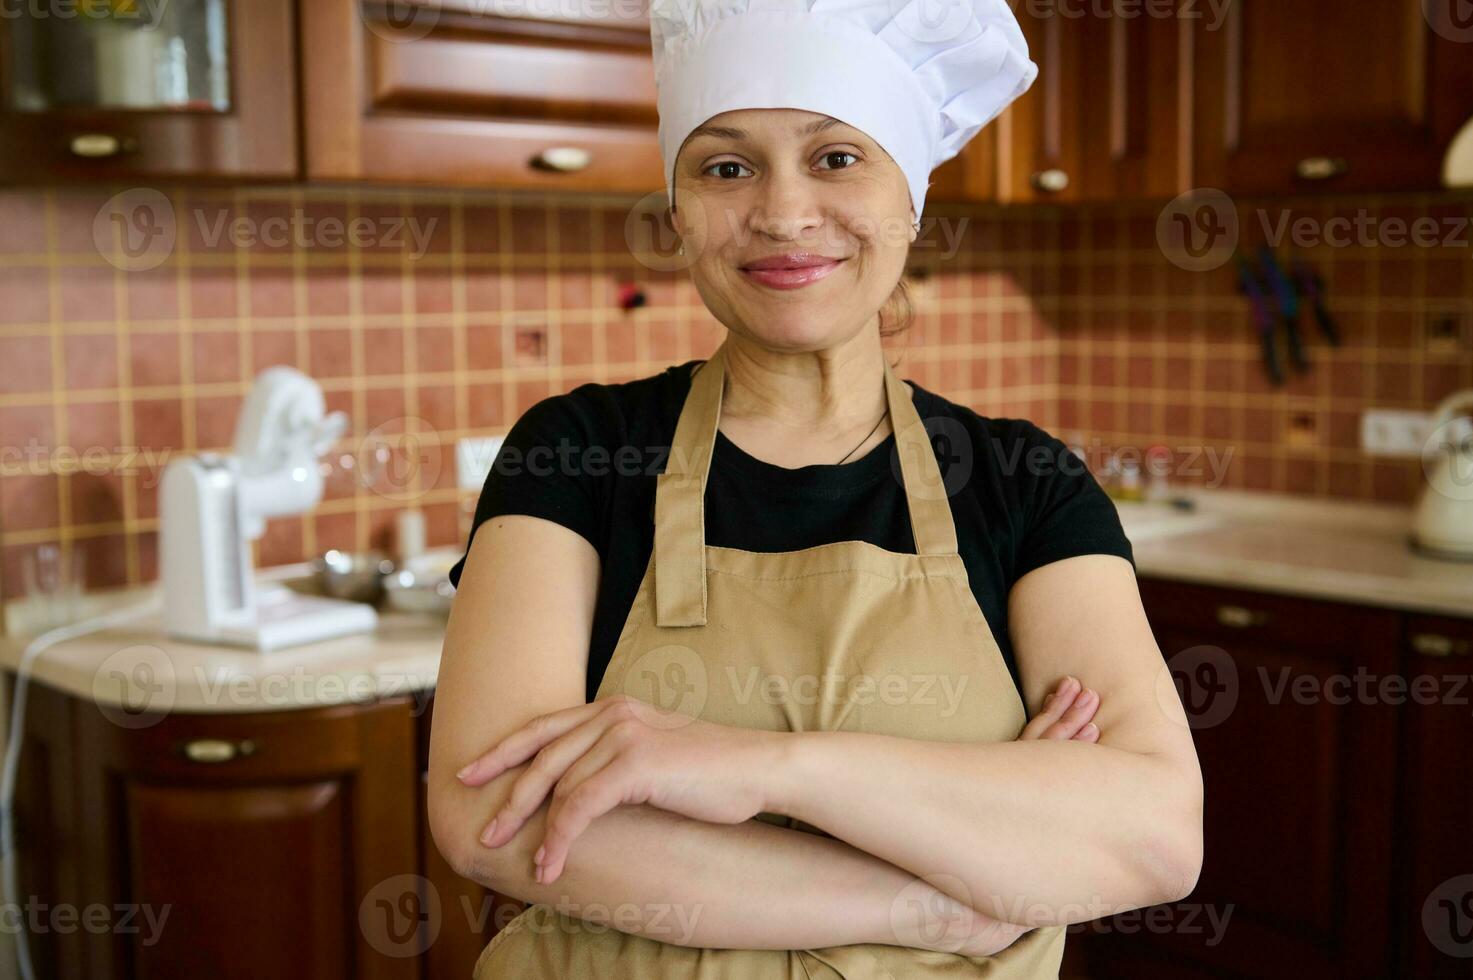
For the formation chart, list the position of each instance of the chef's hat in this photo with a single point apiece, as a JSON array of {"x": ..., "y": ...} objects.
[{"x": 919, "y": 77}]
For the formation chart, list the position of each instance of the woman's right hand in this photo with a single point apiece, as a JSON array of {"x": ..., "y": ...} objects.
[{"x": 1067, "y": 715}]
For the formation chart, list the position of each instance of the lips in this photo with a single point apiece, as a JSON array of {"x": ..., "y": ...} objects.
[{"x": 791, "y": 271}]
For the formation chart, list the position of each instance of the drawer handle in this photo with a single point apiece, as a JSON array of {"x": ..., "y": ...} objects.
[
  {"x": 213, "y": 751},
  {"x": 98, "y": 146},
  {"x": 563, "y": 159},
  {"x": 1437, "y": 645},
  {"x": 1321, "y": 168},
  {"x": 1240, "y": 617},
  {"x": 1053, "y": 181}
]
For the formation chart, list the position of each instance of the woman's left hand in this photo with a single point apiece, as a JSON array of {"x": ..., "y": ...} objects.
[{"x": 618, "y": 751}]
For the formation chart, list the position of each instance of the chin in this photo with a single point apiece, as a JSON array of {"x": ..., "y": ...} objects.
[{"x": 793, "y": 331}]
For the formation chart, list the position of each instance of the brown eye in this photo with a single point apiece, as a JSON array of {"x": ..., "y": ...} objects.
[
  {"x": 839, "y": 153},
  {"x": 727, "y": 173}
]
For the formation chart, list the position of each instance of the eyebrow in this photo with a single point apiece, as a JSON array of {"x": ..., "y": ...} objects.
[{"x": 731, "y": 133}]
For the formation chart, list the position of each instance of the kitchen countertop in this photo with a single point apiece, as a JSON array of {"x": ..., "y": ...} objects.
[
  {"x": 136, "y": 666},
  {"x": 1309, "y": 547},
  {"x": 1300, "y": 546}
]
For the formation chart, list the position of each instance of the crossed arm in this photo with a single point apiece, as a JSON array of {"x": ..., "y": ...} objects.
[{"x": 967, "y": 837}]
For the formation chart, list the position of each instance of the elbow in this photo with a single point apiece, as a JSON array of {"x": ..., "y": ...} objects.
[
  {"x": 1175, "y": 851},
  {"x": 455, "y": 836}
]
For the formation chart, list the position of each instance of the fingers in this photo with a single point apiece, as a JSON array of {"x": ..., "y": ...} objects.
[
  {"x": 1066, "y": 714},
  {"x": 585, "y": 800},
  {"x": 548, "y": 767},
  {"x": 524, "y": 743}
]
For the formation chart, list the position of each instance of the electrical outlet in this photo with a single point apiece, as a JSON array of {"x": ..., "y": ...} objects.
[
  {"x": 473, "y": 459},
  {"x": 1393, "y": 432}
]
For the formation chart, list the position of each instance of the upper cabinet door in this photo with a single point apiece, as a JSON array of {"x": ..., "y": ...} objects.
[
  {"x": 1040, "y": 140},
  {"x": 1345, "y": 95},
  {"x": 447, "y": 94},
  {"x": 120, "y": 89},
  {"x": 1133, "y": 141},
  {"x": 1102, "y": 122}
]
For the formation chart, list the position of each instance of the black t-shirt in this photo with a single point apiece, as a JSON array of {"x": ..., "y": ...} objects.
[{"x": 587, "y": 460}]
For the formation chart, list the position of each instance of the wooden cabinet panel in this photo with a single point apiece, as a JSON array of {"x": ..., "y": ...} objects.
[
  {"x": 1434, "y": 911},
  {"x": 1103, "y": 122},
  {"x": 456, "y": 97},
  {"x": 1137, "y": 83},
  {"x": 276, "y": 841},
  {"x": 1040, "y": 138},
  {"x": 1343, "y": 95},
  {"x": 1299, "y": 770},
  {"x": 255, "y": 139}
]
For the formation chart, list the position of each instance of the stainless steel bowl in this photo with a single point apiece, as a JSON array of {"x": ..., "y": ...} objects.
[
  {"x": 353, "y": 575},
  {"x": 423, "y": 585}
]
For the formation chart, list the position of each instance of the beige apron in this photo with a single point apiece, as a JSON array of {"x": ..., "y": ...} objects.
[{"x": 844, "y": 636}]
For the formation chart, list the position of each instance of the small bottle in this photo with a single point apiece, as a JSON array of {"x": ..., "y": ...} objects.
[
  {"x": 1158, "y": 474},
  {"x": 409, "y": 527},
  {"x": 1130, "y": 480}
]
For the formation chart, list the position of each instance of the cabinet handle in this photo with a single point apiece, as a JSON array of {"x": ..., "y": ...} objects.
[
  {"x": 212, "y": 751},
  {"x": 1321, "y": 168},
  {"x": 1437, "y": 645},
  {"x": 98, "y": 146},
  {"x": 563, "y": 159},
  {"x": 1051, "y": 181},
  {"x": 1240, "y": 617}
]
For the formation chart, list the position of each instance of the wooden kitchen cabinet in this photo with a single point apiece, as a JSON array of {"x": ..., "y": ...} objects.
[
  {"x": 446, "y": 94},
  {"x": 1434, "y": 909},
  {"x": 275, "y": 844},
  {"x": 1335, "y": 95},
  {"x": 202, "y": 90},
  {"x": 1300, "y": 776},
  {"x": 1102, "y": 122}
]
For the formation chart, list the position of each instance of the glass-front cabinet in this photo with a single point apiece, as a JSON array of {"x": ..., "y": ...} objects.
[{"x": 163, "y": 88}]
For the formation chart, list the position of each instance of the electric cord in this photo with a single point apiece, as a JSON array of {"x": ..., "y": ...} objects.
[{"x": 33, "y": 649}]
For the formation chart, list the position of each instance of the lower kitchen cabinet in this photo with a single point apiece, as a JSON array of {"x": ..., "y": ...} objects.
[
  {"x": 1335, "y": 802},
  {"x": 1435, "y": 837},
  {"x": 275, "y": 844}
]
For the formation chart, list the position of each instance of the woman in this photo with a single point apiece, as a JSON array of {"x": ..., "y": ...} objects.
[{"x": 739, "y": 677}]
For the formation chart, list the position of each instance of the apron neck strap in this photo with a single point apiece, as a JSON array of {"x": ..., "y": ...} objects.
[{"x": 680, "y": 491}]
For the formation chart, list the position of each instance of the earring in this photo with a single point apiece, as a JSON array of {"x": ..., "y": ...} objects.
[{"x": 681, "y": 249}]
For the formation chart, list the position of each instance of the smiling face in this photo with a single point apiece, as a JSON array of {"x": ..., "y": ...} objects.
[{"x": 797, "y": 225}]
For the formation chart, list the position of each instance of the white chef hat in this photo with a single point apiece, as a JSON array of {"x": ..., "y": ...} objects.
[{"x": 919, "y": 77}]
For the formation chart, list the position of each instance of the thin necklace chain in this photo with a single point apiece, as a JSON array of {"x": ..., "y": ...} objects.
[
  {"x": 883, "y": 416},
  {"x": 867, "y": 435}
]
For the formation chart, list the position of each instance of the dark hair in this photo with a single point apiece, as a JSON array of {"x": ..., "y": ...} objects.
[{"x": 897, "y": 314}]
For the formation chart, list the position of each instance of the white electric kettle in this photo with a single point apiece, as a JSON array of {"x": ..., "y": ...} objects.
[{"x": 1443, "y": 526}]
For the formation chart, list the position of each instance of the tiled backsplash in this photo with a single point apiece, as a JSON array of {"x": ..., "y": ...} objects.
[{"x": 432, "y": 317}]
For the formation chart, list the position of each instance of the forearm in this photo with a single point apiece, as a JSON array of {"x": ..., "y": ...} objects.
[
  {"x": 748, "y": 886},
  {"x": 1032, "y": 832}
]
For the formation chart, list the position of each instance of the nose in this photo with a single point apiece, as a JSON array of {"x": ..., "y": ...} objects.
[{"x": 786, "y": 205}]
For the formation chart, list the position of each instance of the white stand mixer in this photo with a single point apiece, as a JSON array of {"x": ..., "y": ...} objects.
[
  {"x": 213, "y": 505},
  {"x": 1443, "y": 524}
]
